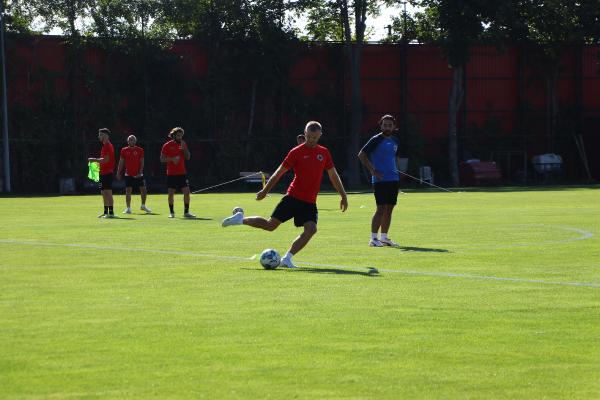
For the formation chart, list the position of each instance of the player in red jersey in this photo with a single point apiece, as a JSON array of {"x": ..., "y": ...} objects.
[
  {"x": 308, "y": 160},
  {"x": 132, "y": 159},
  {"x": 174, "y": 153},
  {"x": 107, "y": 166}
]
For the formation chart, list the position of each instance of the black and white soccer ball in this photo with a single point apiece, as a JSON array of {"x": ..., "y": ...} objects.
[
  {"x": 270, "y": 259},
  {"x": 237, "y": 210}
]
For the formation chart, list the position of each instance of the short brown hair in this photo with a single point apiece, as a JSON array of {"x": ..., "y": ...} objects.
[
  {"x": 387, "y": 117},
  {"x": 173, "y": 131},
  {"x": 313, "y": 126},
  {"x": 104, "y": 130}
]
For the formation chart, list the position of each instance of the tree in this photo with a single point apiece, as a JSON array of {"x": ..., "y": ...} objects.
[
  {"x": 551, "y": 26},
  {"x": 18, "y": 16},
  {"x": 345, "y": 21},
  {"x": 454, "y": 25}
]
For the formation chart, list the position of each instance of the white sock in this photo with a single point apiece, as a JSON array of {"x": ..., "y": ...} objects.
[
  {"x": 288, "y": 256},
  {"x": 374, "y": 235},
  {"x": 383, "y": 236}
]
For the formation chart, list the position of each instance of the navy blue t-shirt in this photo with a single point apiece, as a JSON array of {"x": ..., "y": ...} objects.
[{"x": 382, "y": 152}]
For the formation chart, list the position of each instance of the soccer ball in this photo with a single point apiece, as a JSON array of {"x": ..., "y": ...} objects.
[
  {"x": 270, "y": 259},
  {"x": 237, "y": 210}
]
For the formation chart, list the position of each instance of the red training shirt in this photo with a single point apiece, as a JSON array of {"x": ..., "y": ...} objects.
[
  {"x": 107, "y": 167},
  {"x": 172, "y": 149},
  {"x": 308, "y": 165},
  {"x": 133, "y": 159}
]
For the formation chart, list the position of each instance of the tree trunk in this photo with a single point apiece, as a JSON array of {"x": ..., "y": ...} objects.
[
  {"x": 251, "y": 120},
  {"x": 551, "y": 107},
  {"x": 353, "y": 171},
  {"x": 455, "y": 101}
]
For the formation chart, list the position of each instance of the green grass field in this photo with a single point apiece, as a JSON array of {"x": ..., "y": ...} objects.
[{"x": 492, "y": 295}]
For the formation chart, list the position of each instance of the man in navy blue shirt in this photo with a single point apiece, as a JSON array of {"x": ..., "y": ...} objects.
[{"x": 380, "y": 157}]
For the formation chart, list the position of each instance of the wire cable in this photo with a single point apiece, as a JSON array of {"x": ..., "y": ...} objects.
[{"x": 225, "y": 183}]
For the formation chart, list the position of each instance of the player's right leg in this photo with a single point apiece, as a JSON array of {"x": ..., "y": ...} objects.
[
  {"x": 171, "y": 200},
  {"x": 128, "y": 190},
  {"x": 375, "y": 225},
  {"x": 144, "y": 196}
]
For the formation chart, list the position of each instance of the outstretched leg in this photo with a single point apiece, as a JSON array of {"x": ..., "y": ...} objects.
[{"x": 262, "y": 223}]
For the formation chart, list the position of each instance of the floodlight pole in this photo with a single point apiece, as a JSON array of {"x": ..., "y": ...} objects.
[
  {"x": 4, "y": 105},
  {"x": 404, "y": 73}
]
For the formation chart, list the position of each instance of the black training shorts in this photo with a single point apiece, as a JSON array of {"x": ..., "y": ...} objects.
[
  {"x": 177, "y": 181},
  {"x": 105, "y": 182},
  {"x": 386, "y": 192},
  {"x": 131, "y": 181},
  {"x": 302, "y": 211}
]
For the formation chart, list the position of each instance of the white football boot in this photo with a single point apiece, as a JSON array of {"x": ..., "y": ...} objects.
[
  {"x": 235, "y": 219},
  {"x": 375, "y": 243}
]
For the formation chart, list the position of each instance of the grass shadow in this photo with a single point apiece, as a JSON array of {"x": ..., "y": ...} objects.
[
  {"x": 335, "y": 271},
  {"x": 421, "y": 249},
  {"x": 197, "y": 219}
]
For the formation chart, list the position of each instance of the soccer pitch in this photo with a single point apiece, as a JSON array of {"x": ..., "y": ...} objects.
[{"x": 492, "y": 295}]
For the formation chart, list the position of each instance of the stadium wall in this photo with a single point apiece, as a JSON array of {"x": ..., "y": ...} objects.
[{"x": 59, "y": 95}]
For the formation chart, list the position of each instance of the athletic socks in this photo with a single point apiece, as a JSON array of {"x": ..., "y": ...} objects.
[
  {"x": 105, "y": 209},
  {"x": 186, "y": 208},
  {"x": 374, "y": 235},
  {"x": 110, "y": 210},
  {"x": 383, "y": 236},
  {"x": 171, "y": 209}
]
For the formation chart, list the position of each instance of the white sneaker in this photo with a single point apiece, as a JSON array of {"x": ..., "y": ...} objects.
[
  {"x": 101, "y": 215},
  {"x": 287, "y": 263},
  {"x": 388, "y": 242},
  {"x": 375, "y": 243},
  {"x": 235, "y": 219},
  {"x": 189, "y": 215},
  {"x": 171, "y": 215},
  {"x": 127, "y": 211},
  {"x": 144, "y": 208}
]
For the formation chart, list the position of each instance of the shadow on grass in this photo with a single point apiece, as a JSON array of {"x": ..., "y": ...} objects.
[
  {"x": 335, "y": 271},
  {"x": 421, "y": 249},
  {"x": 197, "y": 219},
  {"x": 331, "y": 271}
]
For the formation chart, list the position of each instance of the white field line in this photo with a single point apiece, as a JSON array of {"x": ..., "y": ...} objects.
[
  {"x": 583, "y": 235},
  {"x": 349, "y": 267},
  {"x": 123, "y": 249}
]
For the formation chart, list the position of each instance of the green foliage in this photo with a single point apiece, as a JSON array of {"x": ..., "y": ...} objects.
[{"x": 452, "y": 24}]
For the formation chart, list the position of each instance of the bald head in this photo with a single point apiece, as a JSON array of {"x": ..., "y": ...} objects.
[{"x": 131, "y": 140}]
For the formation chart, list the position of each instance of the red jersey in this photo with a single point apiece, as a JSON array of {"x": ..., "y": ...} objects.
[
  {"x": 308, "y": 165},
  {"x": 172, "y": 149},
  {"x": 133, "y": 159},
  {"x": 107, "y": 167}
]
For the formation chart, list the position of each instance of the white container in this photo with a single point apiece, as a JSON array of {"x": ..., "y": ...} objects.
[{"x": 547, "y": 162}]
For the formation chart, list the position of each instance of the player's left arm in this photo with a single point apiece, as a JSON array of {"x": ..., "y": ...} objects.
[
  {"x": 120, "y": 167},
  {"x": 334, "y": 177},
  {"x": 141, "y": 172},
  {"x": 186, "y": 151}
]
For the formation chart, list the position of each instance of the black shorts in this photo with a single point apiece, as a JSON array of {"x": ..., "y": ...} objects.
[
  {"x": 302, "y": 211},
  {"x": 177, "y": 181},
  {"x": 386, "y": 192},
  {"x": 131, "y": 181},
  {"x": 106, "y": 181}
]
